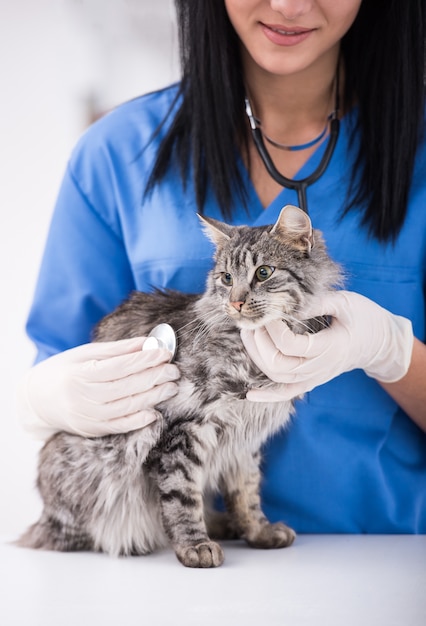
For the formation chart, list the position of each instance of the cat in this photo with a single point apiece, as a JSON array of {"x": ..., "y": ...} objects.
[{"x": 133, "y": 493}]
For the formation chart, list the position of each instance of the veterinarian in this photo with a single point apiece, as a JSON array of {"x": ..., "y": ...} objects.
[{"x": 273, "y": 92}]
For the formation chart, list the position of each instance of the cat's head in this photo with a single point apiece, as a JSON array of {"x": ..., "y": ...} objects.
[{"x": 267, "y": 272}]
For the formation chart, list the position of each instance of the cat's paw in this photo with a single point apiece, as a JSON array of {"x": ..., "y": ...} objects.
[
  {"x": 205, "y": 554},
  {"x": 276, "y": 535}
]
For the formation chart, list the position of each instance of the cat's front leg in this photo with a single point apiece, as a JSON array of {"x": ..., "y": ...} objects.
[
  {"x": 241, "y": 492},
  {"x": 180, "y": 482}
]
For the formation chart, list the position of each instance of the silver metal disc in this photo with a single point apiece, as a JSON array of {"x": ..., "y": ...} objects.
[{"x": 162, "y": 336}]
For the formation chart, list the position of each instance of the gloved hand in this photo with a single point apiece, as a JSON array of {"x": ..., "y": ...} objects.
[
  {"x": 96, "y": 389},
  {"x": 362, "y": 335}
]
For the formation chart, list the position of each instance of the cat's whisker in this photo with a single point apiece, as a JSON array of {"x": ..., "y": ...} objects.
[
  {"x": 307, "y": 324},
  {"x": 322, "y": 321},
  {"x": 196, "y": 333},
  {"x": 193, "y": 321},
  {"x": 190, "y": 328},
  {"x": 213, "y": 323},
  {"x": 292, "y": 320},
  {"x": 199, "y": 329},
  {"x": 202, "y": 333}
]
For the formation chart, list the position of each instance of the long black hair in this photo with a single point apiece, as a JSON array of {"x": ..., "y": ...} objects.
[{"x": 384, "y": 59}]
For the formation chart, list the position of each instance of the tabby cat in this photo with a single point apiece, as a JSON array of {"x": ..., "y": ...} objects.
[{"x": 133, "y": 493}]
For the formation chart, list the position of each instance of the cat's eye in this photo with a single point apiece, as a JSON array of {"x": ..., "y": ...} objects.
[
  {"x": 264, "y": 272},
  {"x": 226, "y": 279}
]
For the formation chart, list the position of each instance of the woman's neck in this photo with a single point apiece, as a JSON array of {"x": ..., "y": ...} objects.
[{"x": 293, "y": 108}]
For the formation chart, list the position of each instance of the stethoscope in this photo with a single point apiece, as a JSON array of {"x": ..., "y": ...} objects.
[{"x": 298, "y": 185}]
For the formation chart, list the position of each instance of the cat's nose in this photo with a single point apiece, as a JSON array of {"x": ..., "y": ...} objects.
[{"x": 238, "y": 305}]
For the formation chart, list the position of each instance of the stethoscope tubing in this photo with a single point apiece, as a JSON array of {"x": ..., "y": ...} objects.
[{"x": 302, "y": 184}]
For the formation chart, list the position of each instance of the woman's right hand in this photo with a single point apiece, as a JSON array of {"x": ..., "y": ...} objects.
[{"x": 96, "y": 389}]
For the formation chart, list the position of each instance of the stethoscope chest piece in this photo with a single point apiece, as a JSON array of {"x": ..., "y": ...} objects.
[{"x": 162, "y": 336}]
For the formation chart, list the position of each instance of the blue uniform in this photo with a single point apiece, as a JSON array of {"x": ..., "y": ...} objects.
[{"x": 351, "y": 461}]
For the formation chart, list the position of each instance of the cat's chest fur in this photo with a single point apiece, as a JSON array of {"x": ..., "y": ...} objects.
[{"x": 211, "y": 408}]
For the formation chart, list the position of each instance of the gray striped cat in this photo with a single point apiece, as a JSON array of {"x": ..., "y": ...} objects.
[{"x": 137, "y": 492}]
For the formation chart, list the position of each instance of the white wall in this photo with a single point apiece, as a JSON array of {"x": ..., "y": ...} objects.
[{"x": 59, "y": 59}]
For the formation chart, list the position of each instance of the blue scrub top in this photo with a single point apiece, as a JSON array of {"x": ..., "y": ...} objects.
[{"x": 351, "y": 461}]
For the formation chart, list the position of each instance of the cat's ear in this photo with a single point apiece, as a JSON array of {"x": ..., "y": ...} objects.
[
  {"x": 218, "y": 232},
  {"x": 294, "y": 226}
]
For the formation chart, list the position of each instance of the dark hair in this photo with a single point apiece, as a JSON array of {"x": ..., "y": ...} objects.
[{"x": 384, "y": 57}]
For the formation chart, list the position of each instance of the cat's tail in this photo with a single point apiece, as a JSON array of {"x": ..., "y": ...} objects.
[{"x": 50, "y": 534}]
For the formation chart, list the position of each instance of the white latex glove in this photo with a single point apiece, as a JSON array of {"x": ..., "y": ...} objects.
[
  {"x": 362, "y": 335},
  {"x": 96, "y": 389}
]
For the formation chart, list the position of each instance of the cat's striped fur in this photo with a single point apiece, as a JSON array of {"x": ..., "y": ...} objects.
[{"x": 133, "y": 493}]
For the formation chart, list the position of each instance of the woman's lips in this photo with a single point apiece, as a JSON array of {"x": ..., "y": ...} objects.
[{"x": 286, "y": 35}]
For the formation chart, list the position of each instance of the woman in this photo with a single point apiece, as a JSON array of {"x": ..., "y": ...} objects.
[{"x": 354, "y": 459}]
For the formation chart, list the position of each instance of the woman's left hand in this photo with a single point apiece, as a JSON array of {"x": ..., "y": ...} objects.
[{"x": 362, "y": 335}]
